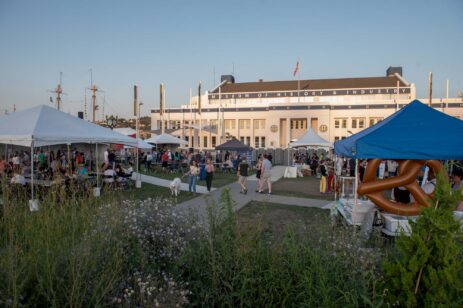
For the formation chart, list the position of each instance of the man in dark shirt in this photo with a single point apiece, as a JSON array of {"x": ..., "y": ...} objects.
[{"x": 243, "y": 176}]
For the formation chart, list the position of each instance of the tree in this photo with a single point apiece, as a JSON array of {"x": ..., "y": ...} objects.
[{"x": 427, "y": 270}]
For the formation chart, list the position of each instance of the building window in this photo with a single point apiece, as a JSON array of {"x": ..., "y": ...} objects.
[
  {"x": 248, "y": 140},
  {"x": 242, "y": 139},
  {"x": 213, "y": 124},
  {"x": 340, "y": 123},
  {"x": 358, "y": 122},
  {"x": 362, "y": 123},
  {"x": 245, "y": 124},
  {"x": 259, "y": 124},
  {"x": 187, "y": 139},
  {"x": 214, "y": 141},
  {"x": 298, "y": 124},
  {"x": 336, "y": 138},
  {"x": 262, "y": 142},
  {"x": 374, "y": 121},
  {"x": 230, "y": 124},
  {"x": 205, "y": 141},
  {"x": 256, "y": 142}
]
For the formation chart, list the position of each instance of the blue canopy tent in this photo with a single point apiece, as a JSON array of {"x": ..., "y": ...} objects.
[{"x": 414, "y": 132}]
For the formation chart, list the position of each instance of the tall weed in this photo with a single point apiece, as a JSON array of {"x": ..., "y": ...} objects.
[{"x": 233, "y": 267}]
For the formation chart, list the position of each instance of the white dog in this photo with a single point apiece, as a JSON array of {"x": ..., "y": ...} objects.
[{"x": 175, "y": 187}]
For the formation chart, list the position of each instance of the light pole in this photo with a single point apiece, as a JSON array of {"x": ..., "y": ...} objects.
[{"x": 137, "y": 124}]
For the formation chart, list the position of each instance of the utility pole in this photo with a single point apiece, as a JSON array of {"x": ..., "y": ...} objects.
[
  {"x": 94, "y": 89},
  {"x": 200, "y": 116},
  {"x": 430, "y": 89},
  {"x": 58, "y": 91},
  {"x": 161, "y": 106}
]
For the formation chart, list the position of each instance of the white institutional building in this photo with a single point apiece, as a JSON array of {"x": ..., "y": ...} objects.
[{"x": 270, "y": 114}]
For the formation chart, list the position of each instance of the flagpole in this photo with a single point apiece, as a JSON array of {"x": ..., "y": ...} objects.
[
  {"x": 299, "y": 80},
  {"x": 191, "y": 123},
  {"x": 200, "y": 117}
]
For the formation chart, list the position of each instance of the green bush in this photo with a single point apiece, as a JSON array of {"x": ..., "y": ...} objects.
[{"x": 427, "y": 269}]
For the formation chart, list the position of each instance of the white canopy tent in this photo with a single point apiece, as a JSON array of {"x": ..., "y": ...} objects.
[
  {"x": 126, "y": 131},
  {"x": 44, "y": 126},
  {"x": 142, "y": 144},
  {"x": 311, "y": 140},
  {"x": 166, "y": 139}
]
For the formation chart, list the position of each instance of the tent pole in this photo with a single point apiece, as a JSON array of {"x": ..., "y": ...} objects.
[
  {"x": 69, "y": 159},
  {"x": 335, "y": 177},
  {"x": 356, "y": 179},
  {"x": 97, "y": 166},
  {"x": 32, "y": 171}
]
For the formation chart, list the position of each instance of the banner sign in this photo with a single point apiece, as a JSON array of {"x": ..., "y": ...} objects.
[{"x": 307, "y": 93}]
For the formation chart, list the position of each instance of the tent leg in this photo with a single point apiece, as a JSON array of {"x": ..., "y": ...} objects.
[
  {"x": 32, "y": 172},
  {"x": 33, "y": 204},
  {"x": 356, "y": 180},
  {"x": 96, "y": 190}
]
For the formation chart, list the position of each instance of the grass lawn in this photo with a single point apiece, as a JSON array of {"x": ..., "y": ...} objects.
[
  {"x": 275, "y": 219},
  {"x": 306, "y": 187},
  {"x": 151, "y": 191},
  {"x": 220, "y": 178}
]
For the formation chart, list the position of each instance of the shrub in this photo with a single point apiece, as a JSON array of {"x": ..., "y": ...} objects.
[{"x": 427, "y": 270}]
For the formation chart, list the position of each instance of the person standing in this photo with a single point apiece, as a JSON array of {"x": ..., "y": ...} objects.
[
  {"x": 193, "y": 174},
  {"x": 243, "y": 176},
  {"x": 266, "y": 173},
  {"x": 149, "y": 159},
  {"x": 322, "y": 177},
  {"x": 165, "y": 162},
  {"x": 209, "y": 173},
  {"x": 259, "y": 172}
]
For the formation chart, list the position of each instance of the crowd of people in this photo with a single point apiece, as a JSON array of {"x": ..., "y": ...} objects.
[{"x": 48, "y": 165}]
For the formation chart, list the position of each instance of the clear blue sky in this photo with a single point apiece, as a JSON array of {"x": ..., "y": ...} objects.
[{"x": 181, "y": 42}]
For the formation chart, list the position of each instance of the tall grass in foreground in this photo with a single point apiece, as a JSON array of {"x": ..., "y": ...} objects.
[
  {"x": 326, "y": 268},
  {"x": 89, "y": 252},
  {"x": 54, "y": 255}
]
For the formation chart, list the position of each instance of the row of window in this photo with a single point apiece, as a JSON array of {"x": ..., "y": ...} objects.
[
  {"x": 259, "y": 141},
  {"x": 228, "y": 124},
  {"x": 298, "y": 123},
  {"x": 205, "y": 139},
  {"x": 355, "y": 122},
  {"x": 244, "y": 124}
]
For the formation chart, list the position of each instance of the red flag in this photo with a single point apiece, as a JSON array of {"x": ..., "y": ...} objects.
[{"x": 296, "y": 69}]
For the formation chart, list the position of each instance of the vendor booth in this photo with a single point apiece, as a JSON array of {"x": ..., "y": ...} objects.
[
  {"x": 311, "y": 140},
  {"x": 45, "y": 126},
  {"x": 415, "y": 136},
  {"x": 237, "y": 146},
  {"x": 166, "y": 139}
]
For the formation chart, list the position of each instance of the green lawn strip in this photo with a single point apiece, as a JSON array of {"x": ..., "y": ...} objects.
[
  {"x": 151, "y": 191},
  {"x": 306, "y": 187},
  {"x": 220, "y": 178},
  {"x": 275, "y": 219}
]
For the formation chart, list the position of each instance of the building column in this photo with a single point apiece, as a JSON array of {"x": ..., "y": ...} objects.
[
  {"x": 288, "y": 131},
  {"x": 252, "y": 134}
]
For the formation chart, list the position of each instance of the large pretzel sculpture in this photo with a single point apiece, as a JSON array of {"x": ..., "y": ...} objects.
[{"x": 408, "y": 170}]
